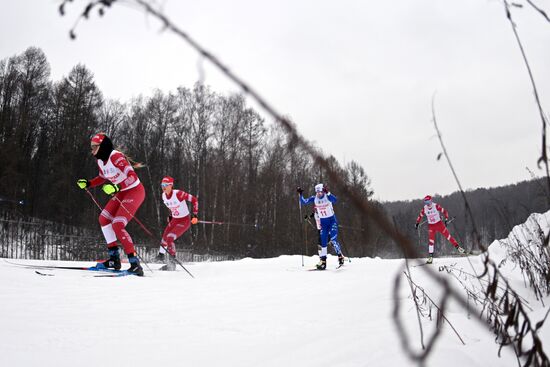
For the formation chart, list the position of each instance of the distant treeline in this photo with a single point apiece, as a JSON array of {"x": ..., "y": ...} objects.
[
  {"x": 495, "y": 210},
  {"x": 244, "y": 171}
]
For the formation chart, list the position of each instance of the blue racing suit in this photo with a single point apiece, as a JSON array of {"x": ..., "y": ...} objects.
[{"x": 329, "y": 224}]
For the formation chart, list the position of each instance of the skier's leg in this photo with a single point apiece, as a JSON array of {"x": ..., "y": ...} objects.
[
  {"x": 451, "y": 239},
  {"x": 319, "y": 247},
  {"x": 445, "y": 232},
  {"x": 431, "y": 239},
  {"x": 131, "y": 200},
  {"x": 324, "y": 242},
  {"x": 178, "y": 226},
  {"x": 165, "y": 239},
  {"x": 105, "y": 221},
  {"x": 334, "y": 238}
]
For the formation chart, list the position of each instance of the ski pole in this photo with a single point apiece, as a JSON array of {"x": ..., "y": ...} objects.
[
  {"x": 94, "y": 200},
  {"x": 300, "y": 209},
  {"x": 176, "y": 260},
  {"x": 19, "y": 202},
  {"x": 227, "y": 223},
  {"x": 311, "y": 224}
]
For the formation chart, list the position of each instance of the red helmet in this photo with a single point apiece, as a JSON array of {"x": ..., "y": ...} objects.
[
  {"x": 427, "y": 199},
  {"x": 98, "y": 138},
  {"x": 167, "y": 180}
]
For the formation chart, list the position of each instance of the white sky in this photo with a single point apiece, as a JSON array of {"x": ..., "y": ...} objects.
[{"x": 356, "y": 76}]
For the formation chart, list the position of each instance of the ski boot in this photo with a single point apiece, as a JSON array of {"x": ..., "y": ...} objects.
[
  {"x": 430, "y": 259},
  {"x": 170, "y": 265},
  {"x": 160, "y": 257},
  {"x": 135, "y": 266},
  {"x": 340, "y": 259},
  {"x": 113, "y": 262},
  {"x": 322, "y": 265},
  {"x": 460, "y": 249}
]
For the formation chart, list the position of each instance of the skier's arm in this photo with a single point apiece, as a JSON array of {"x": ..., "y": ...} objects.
[
  {"x": 332, "y": 198},
  {"x": 442, "y": 210},
  {"x": 182, "y": 195},
  {"x": 307, "y": 201},
  {"x": 120, "y": 161},
  {"x": 96, "y": 181}
]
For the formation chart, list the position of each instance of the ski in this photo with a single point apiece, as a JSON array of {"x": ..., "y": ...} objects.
[
  {"x": 43, "y": 274},
  {"x": 315, "y": 269},
  {"x": 120, "y": 273},
  {"x": 54, "y": 267}
]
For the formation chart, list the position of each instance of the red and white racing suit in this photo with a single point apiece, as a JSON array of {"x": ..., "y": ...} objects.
[
  {"x": 435, "y": 224},
  {"x": 114, "y": 217},
  {"x": 180, "y": 222}
]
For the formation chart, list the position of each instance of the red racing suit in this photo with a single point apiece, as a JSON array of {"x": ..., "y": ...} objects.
[
  {"x": 124, "y": 204},
  {"x": 180, "y": 222},
  {"x": 435, "y": 224}
]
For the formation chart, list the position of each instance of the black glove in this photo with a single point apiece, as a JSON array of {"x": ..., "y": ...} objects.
[
  {"x": 299, "y": 190},
  {"x": 325, "y": 189},
  {"x": 306, "y": 217},
  {"x": 416, "y": 225},
  {"x": 169, "y": 218},
  {"x": 446, "y": 221}
]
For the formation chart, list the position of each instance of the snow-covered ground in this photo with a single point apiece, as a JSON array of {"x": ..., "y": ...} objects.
[{"x": 268, "y": 312}]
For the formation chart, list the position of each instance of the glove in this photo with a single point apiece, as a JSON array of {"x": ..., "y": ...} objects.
[
  {"x": 110, "y": 189},
  {"x": 194, "y": 220},
  {"x": 83, "y": 183},
  {"x": 325, "y": 189},
  {"x": 299, "y": 190},
  {"x": 416, "y": 225},
  {"x": 169, "y": 218},
  {"x": 306, "y": 216},
  {"x": 446, "y": 221}
]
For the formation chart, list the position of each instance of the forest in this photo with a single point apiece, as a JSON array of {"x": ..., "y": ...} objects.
[{"x": 244, "y": 170}]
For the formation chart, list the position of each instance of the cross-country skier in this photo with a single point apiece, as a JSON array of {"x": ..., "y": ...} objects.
[
  {"x": 323, "y": 200},
  {"x": 432, "y": 212},
  {"x": 179, "y": 217},
  {"x": 121, "y": 181}
]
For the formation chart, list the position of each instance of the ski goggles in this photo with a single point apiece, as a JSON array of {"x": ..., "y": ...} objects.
[
  {"x": 428, "y": 202},
  {"x": 165, "y": 184}
]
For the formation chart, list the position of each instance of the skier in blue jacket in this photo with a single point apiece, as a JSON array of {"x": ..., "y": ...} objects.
[{"x": 322, "y": 201}]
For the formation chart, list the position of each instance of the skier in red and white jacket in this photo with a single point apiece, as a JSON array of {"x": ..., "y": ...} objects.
[
  {"x": 179, "y": 221},
  {"x": 119, "y": 179},
  {"x": 432, "y": 212}
]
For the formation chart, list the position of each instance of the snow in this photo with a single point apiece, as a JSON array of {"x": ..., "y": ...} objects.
[{"x": 251, "y": 312}]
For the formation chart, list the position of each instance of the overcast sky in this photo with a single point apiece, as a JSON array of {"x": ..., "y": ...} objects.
[{"x": 356, "y": 76}]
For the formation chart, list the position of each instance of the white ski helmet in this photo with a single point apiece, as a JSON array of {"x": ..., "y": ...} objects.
[{"x": 319, "y": 187}]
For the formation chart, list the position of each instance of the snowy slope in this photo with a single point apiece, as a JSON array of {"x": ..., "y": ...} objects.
[{"x": 269, "y": 312}]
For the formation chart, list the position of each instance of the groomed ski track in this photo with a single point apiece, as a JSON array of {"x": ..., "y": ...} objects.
[{"x": 266, "y": 312}]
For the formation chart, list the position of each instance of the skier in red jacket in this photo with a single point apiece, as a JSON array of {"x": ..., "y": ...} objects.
[
  {"x": 119, "y": 179},
  {"x": 179, "y": 221},
  {"x": 432, "y": 212}
]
